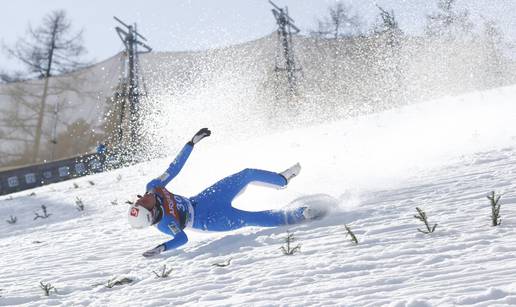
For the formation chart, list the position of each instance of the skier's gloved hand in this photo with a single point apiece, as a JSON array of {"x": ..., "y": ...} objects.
[
  {"x": 201, "y": 134},
  {"x": 155, "y": 251}
]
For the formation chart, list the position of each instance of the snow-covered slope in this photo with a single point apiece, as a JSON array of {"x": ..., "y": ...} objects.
[{"x": 442, "y": 156}]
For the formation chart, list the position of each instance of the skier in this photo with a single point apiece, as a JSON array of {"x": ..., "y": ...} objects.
[{"x": 210, "y": 210}]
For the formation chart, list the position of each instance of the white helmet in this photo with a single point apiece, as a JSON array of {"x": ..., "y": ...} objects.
[{"x": 139, "y": 217}]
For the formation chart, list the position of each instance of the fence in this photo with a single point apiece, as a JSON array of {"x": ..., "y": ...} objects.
[{"x": 29, "y": 177}]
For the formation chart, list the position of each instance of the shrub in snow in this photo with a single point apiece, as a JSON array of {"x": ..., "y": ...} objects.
[
  {"x": 495, "y": 208},
  {"x": 79, "y": 204},
  {"x": 47, "y": 288},
  {"x": 12, "y": 220},
  {"x": 287, "y": 249},
  {"x": 423, "y": 218},
  {"x": 45, "y": 213},
  {"x": 223, "y": 264},
  {"x": 114, "y": 202},
  {"x": 91, "y": 182},
  {"x": 163, "y": 273},
  {"x": 351, "y": 234},
  {"x": 75, "y": 185}
]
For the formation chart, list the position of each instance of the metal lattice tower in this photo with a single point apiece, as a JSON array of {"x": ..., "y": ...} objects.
[
  {"x": 286, "y": 28},
  {"x": 133, "y": 82}
]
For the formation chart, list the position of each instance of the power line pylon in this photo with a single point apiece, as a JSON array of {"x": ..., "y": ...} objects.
[
  {"x": 133, "y": 83},
  {"x": 286, "y": 28}
]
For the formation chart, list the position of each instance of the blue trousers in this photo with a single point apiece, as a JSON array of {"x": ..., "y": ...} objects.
[{"x": 214, "y": 212}]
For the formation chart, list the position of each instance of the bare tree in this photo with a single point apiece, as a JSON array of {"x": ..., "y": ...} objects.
[
  {"x": 388, "y": 26},
  {"x": 341, "y": 22},
  {"x": 448, "y": 22},
  {"x": 49, "y": 50}
]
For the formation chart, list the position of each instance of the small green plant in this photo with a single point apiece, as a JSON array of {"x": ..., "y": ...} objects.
[
  {"x": 45, "y": 213},
  {"x": 163, "y": 273},
  {"x": 47, "y": 288},
  {"x": 79, "y": 204},
  {"x": 12, "y": 220},
  {"x": 288, "y": 249},
  {"x": 223, "y": 264},
  {"x": 351, "y": 234},
  {"x": 495, "y": 208},
  {"x": 423, "y": 218},
  {"x": 118, "y": 282}
]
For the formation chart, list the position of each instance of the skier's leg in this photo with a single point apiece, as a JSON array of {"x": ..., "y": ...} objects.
[
  {"x": 268, "y": 218},
  {"x": 226, "y": 189},
  {"x": 231, "y": 218}
]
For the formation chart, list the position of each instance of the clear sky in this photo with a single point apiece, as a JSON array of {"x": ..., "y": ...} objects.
[{"x": 198, "y": 24}]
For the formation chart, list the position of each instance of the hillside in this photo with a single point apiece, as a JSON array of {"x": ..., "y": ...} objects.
[{"x": 443, "y": 156}]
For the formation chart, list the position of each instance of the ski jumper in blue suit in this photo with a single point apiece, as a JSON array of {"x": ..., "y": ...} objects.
[{"x": 211, "y": 209}]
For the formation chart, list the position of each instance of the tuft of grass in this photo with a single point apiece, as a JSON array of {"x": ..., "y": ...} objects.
[
  {"x": 423, "y": 218},
  {"x": 45, "y": 213},
  {"x": 288, "y": 249},
  {"x": 118, "y": 282},
  {"x": 75, "y": 185},
  {"x": 223, "y": 264},
  {"x": 495, "y": 208},
  {"x": 79, "y": 204},
  {"x": 91, "y": 182},
  {"x": 351, "y": 234},
  {"x": 163, "y": 273},
  {"x": 47, "y": 288},
  {"x": 12, "y": 220}
]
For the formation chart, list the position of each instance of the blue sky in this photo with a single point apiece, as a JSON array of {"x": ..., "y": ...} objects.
[{"x": 198, "y": 24}]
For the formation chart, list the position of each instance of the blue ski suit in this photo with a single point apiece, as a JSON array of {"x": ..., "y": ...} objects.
[{"x": 211, "y": 209}]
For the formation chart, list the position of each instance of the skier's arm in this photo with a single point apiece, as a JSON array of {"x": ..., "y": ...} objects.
[
  {"x": 173, "y": 169},
  {"x": 179, "y": 239},
  {"x": 178, "y": 163}
]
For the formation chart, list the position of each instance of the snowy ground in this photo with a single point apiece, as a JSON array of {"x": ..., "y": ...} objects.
[{"x": 442, "y": 156}]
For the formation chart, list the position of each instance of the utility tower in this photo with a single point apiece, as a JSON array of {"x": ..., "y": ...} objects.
[
  {"x": 286, "y": 28},
  {"x": 132, "y": 83}
]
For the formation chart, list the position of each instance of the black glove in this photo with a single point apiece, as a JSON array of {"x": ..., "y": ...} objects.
[
  {"x": 201, "y": 134},
  {"x": 155, "y": 251}
]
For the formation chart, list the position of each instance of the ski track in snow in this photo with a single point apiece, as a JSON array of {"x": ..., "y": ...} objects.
[{"x": 466, "y": 262}]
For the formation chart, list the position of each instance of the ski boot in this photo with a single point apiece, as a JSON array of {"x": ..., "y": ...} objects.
[{"x": 291, "y": 172}]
